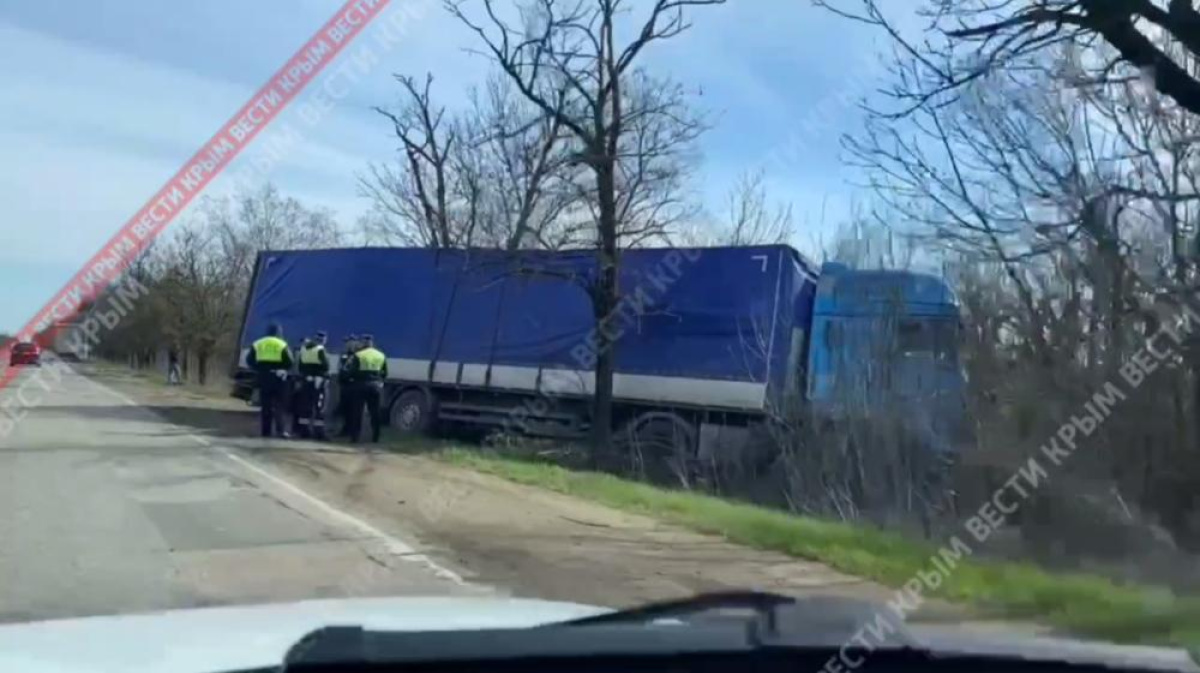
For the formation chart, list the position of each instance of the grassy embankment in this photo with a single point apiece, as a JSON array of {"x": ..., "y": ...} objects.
[{"x": 1079, "y": 603}]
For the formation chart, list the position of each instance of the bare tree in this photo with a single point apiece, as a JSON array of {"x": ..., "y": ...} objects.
[
  {"x": 655, "y": 160},
  {"x": 867, "y": 243},
  {"x": 197, "y": 296},
  {"x": 527, "y": 167},
  {"x": 1163, "y": 183},
  {"x": 1002, "y": 176},
  {"x": 265, "y": 219},
  {"x": 1062, "y": 205},
  {"x": 1151, "y": 40},
  {"x": 750, "y": 217},
  {"x": 418, "y": 191},
  {"x": 198, "y": 277},
  {"x": 137, "y": 337},
  {"x": 565, "y": 58},
  {"x": 495, "y": 175}
]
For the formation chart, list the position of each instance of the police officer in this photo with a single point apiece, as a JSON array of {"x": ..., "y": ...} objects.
[
  {"x": 345, "y": 387},
  {"x": 270, "y": 358},
  {"x": 368, "y": 371},
  {"x": 310, "y": 402}
]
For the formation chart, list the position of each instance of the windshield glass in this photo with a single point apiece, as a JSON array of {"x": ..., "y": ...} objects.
[{"x": 601, "y": 303}]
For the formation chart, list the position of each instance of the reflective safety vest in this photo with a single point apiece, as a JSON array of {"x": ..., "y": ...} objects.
[
  {"x": 370, "y": 360},
  {"x": 311, "y": 355},
  {"x": 269, "y": 350}
]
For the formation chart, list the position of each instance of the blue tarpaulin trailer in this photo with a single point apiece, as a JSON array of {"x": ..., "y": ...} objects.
[
  {"x": 705, "y": 336},
  {"x": 703, "y": 327}
]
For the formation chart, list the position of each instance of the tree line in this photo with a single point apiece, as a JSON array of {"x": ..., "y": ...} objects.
[
  {"x": 197, "y": 279},
  {"x": 1044, "y": 153}
]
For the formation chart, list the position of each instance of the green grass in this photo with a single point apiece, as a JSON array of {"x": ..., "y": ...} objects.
[
  {"x": 218, "y": 387},
  {"x": 1079, "y": 603}
]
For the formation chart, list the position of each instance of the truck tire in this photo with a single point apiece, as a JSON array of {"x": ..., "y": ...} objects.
[{"x": 413, "y": 413}]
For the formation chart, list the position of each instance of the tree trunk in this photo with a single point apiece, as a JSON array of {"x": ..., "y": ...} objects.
[
  {"x": 202, "y": 366},
  {"x": 604, "y": 300},
  {"x": 1195, "y": 371}
]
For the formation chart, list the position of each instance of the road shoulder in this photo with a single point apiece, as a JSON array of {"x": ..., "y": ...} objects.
[{"x": 528, "y": 541}]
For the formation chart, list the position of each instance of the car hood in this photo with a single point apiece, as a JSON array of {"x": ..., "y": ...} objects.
[
  {"x": 211, "y": 640},
  {"x": 208, "y": 640},
  {"x": 951, "y": 640}
]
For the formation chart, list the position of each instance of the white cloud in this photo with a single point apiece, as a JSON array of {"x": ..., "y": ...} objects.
[{"x": 91, "y": 134}]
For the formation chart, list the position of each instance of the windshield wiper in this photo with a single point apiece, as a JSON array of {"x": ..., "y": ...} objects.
[
  {"x": 696, "y": 626},
  {"x": 764, "y": 607},
  {"x": 768, "y": 618}
]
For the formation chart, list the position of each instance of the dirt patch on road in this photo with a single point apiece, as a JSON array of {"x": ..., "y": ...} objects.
[
  {"x": 518, "y": 539},
  {"x": 537, "y": 543}
]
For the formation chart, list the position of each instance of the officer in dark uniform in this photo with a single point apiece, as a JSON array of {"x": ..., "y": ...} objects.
[
  {"x": 270, "y": 358},
  {"x": 313, "y": 373},
  {"x": 368, "y": 371},
  {"x": 345, "y": 391}
]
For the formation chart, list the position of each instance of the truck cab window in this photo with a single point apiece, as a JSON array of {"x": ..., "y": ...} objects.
[
  {"x": 931, "y": 336},
  {"x": 912, "y": 337}
]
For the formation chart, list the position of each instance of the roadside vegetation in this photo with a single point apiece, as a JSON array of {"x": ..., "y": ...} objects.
[{"x": 1079, "y": 603}]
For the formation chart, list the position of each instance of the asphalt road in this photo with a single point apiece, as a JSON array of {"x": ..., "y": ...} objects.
[{"x": 106, "y": 508}]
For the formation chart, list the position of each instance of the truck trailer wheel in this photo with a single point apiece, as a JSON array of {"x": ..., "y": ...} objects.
[{"x": 413, "y": 413}]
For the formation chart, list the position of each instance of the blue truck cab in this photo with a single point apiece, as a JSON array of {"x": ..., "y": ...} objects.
[{"x": 885, "y": 344}]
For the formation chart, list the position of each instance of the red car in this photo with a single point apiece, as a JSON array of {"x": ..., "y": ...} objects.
[{"x": 25, "y": 353}]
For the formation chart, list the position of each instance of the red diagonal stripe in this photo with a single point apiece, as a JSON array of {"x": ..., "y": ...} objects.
[{"x": 115, "y": 256}]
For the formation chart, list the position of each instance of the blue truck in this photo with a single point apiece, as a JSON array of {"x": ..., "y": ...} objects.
[{"x": 711, "y": 343}]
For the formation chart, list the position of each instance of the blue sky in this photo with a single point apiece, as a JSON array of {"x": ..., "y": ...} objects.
[{"x": 102, "y": 101}]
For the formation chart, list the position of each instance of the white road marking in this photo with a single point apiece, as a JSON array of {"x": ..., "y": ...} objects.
[{"x": 392, "y": 544}]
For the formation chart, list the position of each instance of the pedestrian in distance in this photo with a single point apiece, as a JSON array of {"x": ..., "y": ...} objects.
[
  {"x": 313, "y": 370},
  {"x": 271, "y": 360},
  {"x": 345, "y": 389},
  {"x": 174, "y": 376},
  {"x": 368, "y": 371}
]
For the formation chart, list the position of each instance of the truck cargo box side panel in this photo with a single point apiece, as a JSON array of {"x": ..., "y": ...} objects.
[
  {"x": 695, "y": 326},
  {"x": 377, "y": 291},
  {"x": 706, "y": 327},
  {"x": 712, "y": 316},
  {"x": 547, "y": 313},
  {"x": 499, "y": 309},
  {"x": 709, "y": 315}
]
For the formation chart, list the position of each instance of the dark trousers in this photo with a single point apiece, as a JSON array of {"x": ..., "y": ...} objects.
[
  {"x": 309, "y": 412},
  {"x": 366, "y": 395},
  {"x": 272, "y": 396},
  {"x": 345, "y": 405}
]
